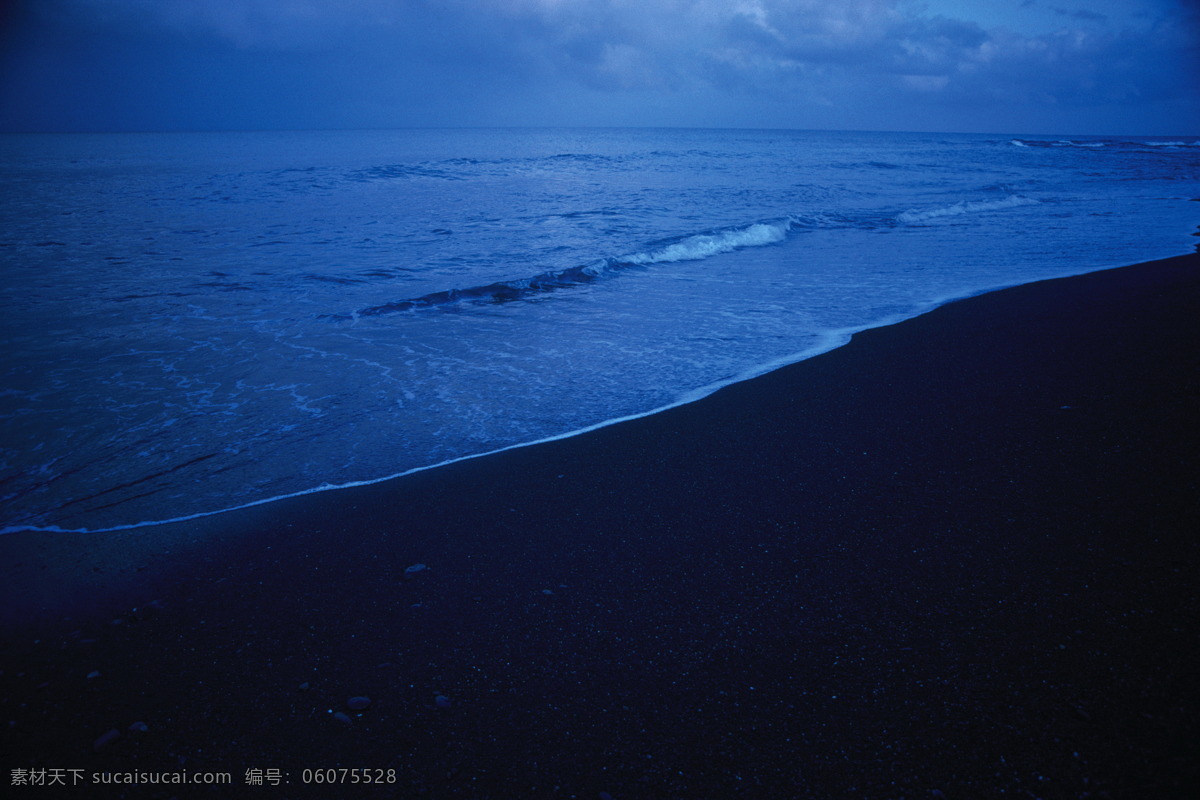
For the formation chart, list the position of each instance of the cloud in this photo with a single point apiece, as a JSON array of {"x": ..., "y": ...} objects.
[
  {"x": 1082, "y": 14},
  {"x": 775, "y": 47},
  {"x": 382, "y": 62}
]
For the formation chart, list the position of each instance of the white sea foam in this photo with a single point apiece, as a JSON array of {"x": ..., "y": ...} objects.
[
  {"x": 704, "y": 245},
  {"x": 916, "y": 216},
  {"x": 825, "y": 341}
]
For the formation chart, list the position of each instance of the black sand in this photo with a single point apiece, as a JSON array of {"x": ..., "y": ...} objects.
[{"x": 955, "y": 558}]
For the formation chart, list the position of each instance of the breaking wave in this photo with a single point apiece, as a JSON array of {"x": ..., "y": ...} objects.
[
  {"x": 694, "y": 247},
  {"x": 687, "y": 248}
]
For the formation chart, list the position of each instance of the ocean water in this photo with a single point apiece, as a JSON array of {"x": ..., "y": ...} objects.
[{"x": 196, "y": 322}]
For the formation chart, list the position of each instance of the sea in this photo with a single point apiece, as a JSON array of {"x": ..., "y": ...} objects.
[{"x": 196, "y": 322}]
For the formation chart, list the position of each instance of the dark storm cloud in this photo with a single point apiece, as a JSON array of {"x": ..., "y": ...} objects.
[{"x": 81, "y": 64}]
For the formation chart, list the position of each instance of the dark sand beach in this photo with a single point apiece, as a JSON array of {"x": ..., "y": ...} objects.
[{"x": 955, "y": 558}]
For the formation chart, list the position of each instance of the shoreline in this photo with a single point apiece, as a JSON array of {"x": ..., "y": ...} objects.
[
  {"x": 955, "y": 555},
  {"x": 829, "y": 340}
]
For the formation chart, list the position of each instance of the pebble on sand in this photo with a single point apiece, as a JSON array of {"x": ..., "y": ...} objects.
[
  {"x": 139, "y": 727},
  {"x": 414, "y": 569},
  {"x": 441, "y": 701},
  {"x": 106, "y": 739},
  {"x": 358, "y": 703},
  {"x": 343, "y": 718}
]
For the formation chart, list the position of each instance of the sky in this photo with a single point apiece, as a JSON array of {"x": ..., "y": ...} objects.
[{"x": 991, "y": 66}]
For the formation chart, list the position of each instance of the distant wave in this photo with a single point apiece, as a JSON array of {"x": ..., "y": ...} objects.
[
  {"x": 862, "y": 165},
  {"x": 1096, "y": 144},
  {"x": 457, "y": 169},
  {"x": 686, "y": 248},
  {"x": 1058, "y": 143},
  {"x": 965, "y": 207}
]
